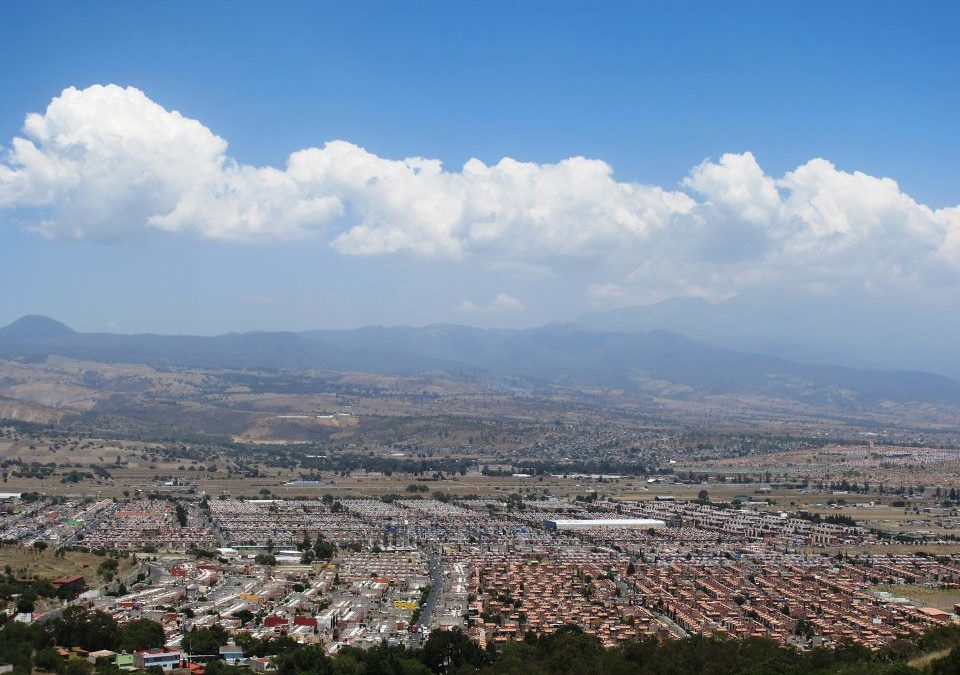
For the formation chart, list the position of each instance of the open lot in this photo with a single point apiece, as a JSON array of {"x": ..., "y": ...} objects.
[{"x": 47, "y": 565}]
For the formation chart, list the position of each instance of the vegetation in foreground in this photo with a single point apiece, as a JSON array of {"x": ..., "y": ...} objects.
[{"x": 567, "y": 652}]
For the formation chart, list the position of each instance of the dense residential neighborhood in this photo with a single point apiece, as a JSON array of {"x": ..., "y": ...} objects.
[{"x": 349, "y": 573}]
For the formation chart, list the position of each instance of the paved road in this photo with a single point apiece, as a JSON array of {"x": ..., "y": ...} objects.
[
  {"x": 674, "y": 628},
  {"x": 436, "y": 590}
]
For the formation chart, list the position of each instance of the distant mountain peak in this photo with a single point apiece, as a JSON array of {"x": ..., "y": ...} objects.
[{"x": 35, "y": 327}]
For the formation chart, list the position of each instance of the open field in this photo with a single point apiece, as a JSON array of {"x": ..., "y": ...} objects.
[
  {"x": 28, "y": 563},
  {"x": 922, "y": 596}
]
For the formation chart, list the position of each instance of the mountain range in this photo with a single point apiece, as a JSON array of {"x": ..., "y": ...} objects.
[
  {"x": 621, "y": 357},
  {"x": 864, "y": 330}
]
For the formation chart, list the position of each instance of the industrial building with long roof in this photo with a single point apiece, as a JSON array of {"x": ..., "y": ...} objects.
[{"x": 632, "y": 523}]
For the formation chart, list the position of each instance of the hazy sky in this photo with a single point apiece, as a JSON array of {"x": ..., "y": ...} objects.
[{"x": 205, "y": 167}]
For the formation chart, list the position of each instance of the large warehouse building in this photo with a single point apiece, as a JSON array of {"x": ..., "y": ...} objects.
[{"x": 632, "y": 523}]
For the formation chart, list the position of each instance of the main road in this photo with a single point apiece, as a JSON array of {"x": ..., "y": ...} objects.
[{"x": 436, "y": 590}]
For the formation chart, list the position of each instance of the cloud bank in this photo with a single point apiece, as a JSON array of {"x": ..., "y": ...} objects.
[{"x": 107, "y": 163}]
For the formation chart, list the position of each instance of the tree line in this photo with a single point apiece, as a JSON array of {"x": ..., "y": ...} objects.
[{"x": 569, "y": 651}]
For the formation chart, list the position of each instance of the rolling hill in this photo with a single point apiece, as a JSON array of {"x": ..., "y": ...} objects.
[{"x": 653, "y": 361}]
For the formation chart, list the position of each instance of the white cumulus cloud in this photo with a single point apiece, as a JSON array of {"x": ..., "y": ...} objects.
[{"x": 107, "y": 163}]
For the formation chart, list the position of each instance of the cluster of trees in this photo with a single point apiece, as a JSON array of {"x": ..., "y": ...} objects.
[
  {"x": 268, "y": 646},
  {"x": 108, "y": 568},
  {"x": 832, "y": 519},
  {"x": 76, "y": 476},
  {"x": 321, "y": 549},
  {"x": 35, "y": 470},
  {"x": 204, "y": 641},
  {"x": 566, "y": 652},
  {"x": 570, "y": 652},
  {"x": 28, "y": 646},
  {"x": 77, "y": 627},
  {"x": 181, "y": 513},
  {"x": 27, "y": 591}
]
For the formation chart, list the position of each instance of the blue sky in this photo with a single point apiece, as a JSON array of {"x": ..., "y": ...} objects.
[{"x": 651, "y": 89}]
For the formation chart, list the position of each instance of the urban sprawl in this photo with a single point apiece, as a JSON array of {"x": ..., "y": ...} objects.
[{"x": 335, "y": 572}]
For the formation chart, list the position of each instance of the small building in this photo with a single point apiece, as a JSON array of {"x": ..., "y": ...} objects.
[
  {"x": 273, "y": 621},
  {"x": 101, "y": 655},
  {"x": 167, "y": 659},
  {"x": 74, "y": 583},
  {"x": 231, "y": 654},
  {"x": 260, "y": 664},
  {"x": 936, "y": 613}
]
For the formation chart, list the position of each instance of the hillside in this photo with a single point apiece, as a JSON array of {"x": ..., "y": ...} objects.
[{"x": 657, "y": 362}]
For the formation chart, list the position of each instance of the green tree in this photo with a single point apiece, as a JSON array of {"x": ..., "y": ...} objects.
[
  {"x": 181, "y": 514},
  {"x": 244, "y": 616},
  {"x": 303, "y": 661},
  {"x": 77, "y": 627},
  {"x": 948, "y": 665},
  {"x": 79, "y": 667},
  {"x": 17, "y": 643},
  {"x": 49, "y": 660},
  {"x": 323, "y": 549},
  {"x": 141, "y": 634},
  {"x": 446, "y": 651},
  {"x": 25, "y": 604},
  {"x": 108, "y": 568},
  {"x": 205, "y": 641}
]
